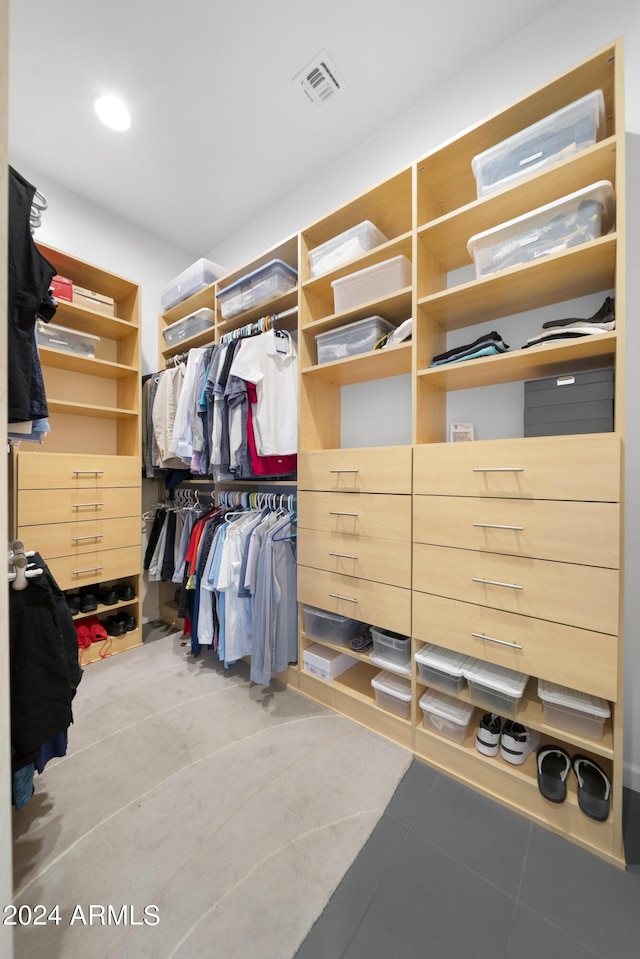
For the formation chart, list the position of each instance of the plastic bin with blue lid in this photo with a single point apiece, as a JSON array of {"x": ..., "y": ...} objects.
[
  {"x": 262, "y": 285},
  {"x": 188, "y": 326}
]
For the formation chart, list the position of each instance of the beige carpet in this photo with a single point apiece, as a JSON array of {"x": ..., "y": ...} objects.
[{"x": 234, "y": 810}]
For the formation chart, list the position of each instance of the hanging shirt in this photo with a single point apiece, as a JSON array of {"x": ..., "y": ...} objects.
[{"x": 270, "y": 361}]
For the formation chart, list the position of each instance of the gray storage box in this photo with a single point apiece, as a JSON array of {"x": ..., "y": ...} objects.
[{"x": 571, "y": 403}]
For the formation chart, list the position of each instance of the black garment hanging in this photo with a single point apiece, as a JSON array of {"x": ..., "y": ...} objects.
[{"x": 30, "y": 275}]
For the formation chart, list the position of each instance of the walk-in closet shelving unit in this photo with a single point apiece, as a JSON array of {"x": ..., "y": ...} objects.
[
  {"x": 77, "y": 497},
  {"x": 354, "y": 505},
  {"x": 287, "y": 251},
  {"x": 560, "y": 498},
  {"x": 564, "y": 492}
]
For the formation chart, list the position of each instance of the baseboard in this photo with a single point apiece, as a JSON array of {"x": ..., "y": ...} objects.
[{"x": 631, "y": 777}]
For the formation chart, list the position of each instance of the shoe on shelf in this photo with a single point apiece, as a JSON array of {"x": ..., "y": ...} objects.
[
  {"x": 363, "y": 642},
  {"x": 125, "y": 592},
  {"x": 73, "y": 602},
  {"x": 554, "y": 764},
  {"x": 115, "y": 626},
  {"x": 88, "y": 602},
  {"x": 594, "y": 788},
  {"x": 129, "y": 622},
  {"x": 488, "y": 735},
  {"x": 108, "y": 596},
  {"x": 517, "y": 742}
]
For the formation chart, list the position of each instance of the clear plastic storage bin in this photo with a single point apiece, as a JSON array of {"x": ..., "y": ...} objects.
[
  {"x": 393, "y": 693},
  {"x": 65, "y": 340},
  {"x": 445, "y": 715},
  {"x": 264, "y": 284},
  {"x": 563, "y": 133},
  {"x": 200, "y": 274},
  {"x": 572, "y": 710},
  {"x": 442, "y": 669},
  {"x": 188, "y": 326},
  {"x": 371, "y": 283},
  {"x": 321, "y": 624},
  {"x": 345, "y": 247},
  {"x": 354, "y": 338},
  {"x": 393, "y": 648},
  {"x": 326, "y": 663},
  {"x": 567, "y": 222},
  {"x": 495, "y": 688}
]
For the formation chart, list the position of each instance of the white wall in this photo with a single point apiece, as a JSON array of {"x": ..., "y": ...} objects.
[
  {"x": 570, "y": 32},
  {"x": 94, "y": 234}
]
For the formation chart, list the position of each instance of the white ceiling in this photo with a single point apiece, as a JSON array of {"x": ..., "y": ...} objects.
[{"x": 219, "y": 132}]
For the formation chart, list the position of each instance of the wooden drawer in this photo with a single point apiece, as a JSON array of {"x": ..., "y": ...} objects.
[
  {"x": 383, "y": 561},
  {"x": 551, "y": 467},
  {"x": 578, "y": 658},
  {"x": 381, "y": 469},
  {"x": 388, "y": 607},
  {"x": 71, "y": 539},
  {"x": 66, "y": 506},
  {"x": 364, "y": 514},
  {"x": 583, "y": 596},
  {"x": 569, "y": 532},
  {"x": 76, "y": 471},
  {"x": 96, "y": 567}
]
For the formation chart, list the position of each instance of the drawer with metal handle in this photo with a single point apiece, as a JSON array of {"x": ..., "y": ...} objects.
[
  {"x": 67, "y": 539},
  {"x": 379, "y": 604},
  {"x": 366, "y": 557},
  {"x": 76, "y": 471},
  {"x": 366, "y": 514},
  {"x": 381, "y": 469}
]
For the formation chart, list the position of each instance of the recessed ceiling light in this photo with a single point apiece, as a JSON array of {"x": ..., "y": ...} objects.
[{"x": 112, "y": 112}]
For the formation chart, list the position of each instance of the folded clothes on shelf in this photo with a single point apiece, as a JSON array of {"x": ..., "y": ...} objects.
[
  {"x": 602, "y": 321},
  {"x": 489, "y": 344}
]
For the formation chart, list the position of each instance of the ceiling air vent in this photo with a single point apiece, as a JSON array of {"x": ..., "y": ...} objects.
[{"x": 320, "y": 81}]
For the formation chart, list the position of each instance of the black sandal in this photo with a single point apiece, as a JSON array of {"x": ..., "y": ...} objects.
[
  {"x": 594, "y": 788},
  {"x": 553, "y": 764}
]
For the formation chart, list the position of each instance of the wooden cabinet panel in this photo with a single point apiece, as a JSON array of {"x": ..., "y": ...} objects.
[
  {"x": 381, "y": 469},
  {"x": 69, "y": 539},
  {"x": 67, "y": 505},
  {"x": 579, "y": 658},
  {"x": 581, "y": 596},
  {"x": 384, "y": 561},
  {"x": 96, "y": 567},
  {"x": 388, "y": 607},
  {"x": 76, "y": 471},
  {"x": 569, "y": 532},
  {"x": 365, "y": 514},
  {"x": 551, "y": 467}
]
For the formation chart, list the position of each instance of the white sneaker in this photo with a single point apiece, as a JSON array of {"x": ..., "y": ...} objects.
[
  {"x": 517, "y": 742},
  {"x": 488, "y": 735}
]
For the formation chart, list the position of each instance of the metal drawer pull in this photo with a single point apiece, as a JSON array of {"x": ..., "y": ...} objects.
[
  {"x": 347, "y": 599},
  {"x": 84, "y": 505},
  {"x": 344, "y": 471},
  {"x": 91, "y": 569},
  {"x": 500, "y": 642},
  {"x": 498, "y": 469},
  {"x": 91, "y": 472},
  {"x": 336, "y": 512},
  {"x": 519, "y": 529},
  {"x": 77, "y": 539},
  {"x": 492, "y": 582},
  {"x": 343, "y": 555}
]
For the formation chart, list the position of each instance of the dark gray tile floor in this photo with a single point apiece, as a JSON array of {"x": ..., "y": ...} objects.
[{"x": 448, "y": 873}]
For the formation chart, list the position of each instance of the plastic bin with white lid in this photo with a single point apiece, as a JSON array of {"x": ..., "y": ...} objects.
[
  {"x": 445, "y": 715},
  {"x": 442, "y": 669},
  {"x": 573, "y": 710},
  {"x": 352, "y": 339},
  {"x": 188, "y": 326},
  {"x": 196, "y": 277},
  {"x": 267, "y": 282},
  {"x": 574, "y": 219},
  {"x": 344, "y": 247},
  {"x": 495, "y": 688},
  {"x": 393, "y": 693},
  {"x": 372, "y": 283},
  {"x": 562, "y": 134},
  {"x": 391, "y": 650},
  {"x": 67, "y": 341},
  {"x": 322, "y": 624}
]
